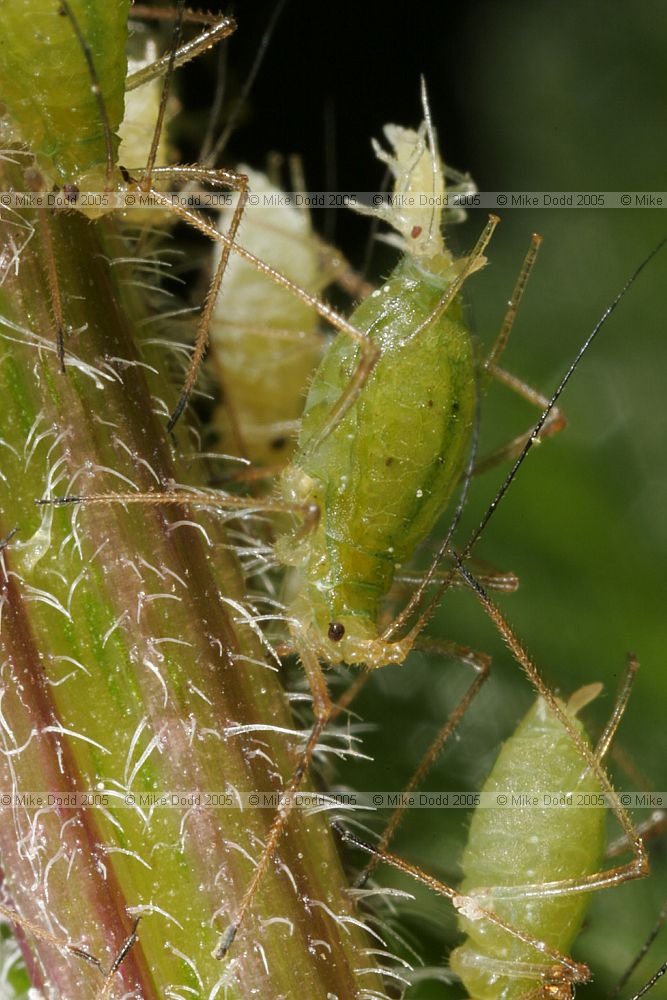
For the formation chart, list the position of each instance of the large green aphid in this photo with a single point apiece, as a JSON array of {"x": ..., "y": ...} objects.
[
  {"x": 386, "y": 471},
  {"x": 552, "y": 829}
]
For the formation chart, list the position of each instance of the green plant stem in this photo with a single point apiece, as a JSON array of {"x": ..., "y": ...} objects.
[{"x": 124, "y": 671}]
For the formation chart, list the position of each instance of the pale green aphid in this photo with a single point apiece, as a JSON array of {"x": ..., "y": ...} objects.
[
  {"x": 535, "y": 850},
  {"x": 521, "y": 844},
  {"x": 265, "y": 342}
]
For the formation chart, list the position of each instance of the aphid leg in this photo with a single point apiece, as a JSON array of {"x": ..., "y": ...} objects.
[
  {"x": 481, "y": 665},
  {"x": 219, "y": 27},
  {"x": 638, "y": 867},
  {"x": 654, "y": 826},
  {"x": 348, "y": 697},
  {"x": 555, "y": 421},
  {"x": 369, "y": 353},
  {"x": 500, "y": 343},
  {"x": 12, "y": 917},
  {"x": 125, "y": 948},
  {"x": 322, "y": 713},
  {"x": 217, "y": 178},
  {"x": 561, "y": 966},
  {"x": 495, "y": 579},
  {"x": 605, "y": 741},
  {"x": 309, "y": 513}
]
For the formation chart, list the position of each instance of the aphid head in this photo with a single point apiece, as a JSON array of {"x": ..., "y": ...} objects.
[
  {"x": 419, "y": 188},
  {"x": 420, "y": 192}
]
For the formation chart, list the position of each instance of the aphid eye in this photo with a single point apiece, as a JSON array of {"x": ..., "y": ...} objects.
[
  {"x": 415, "y": 232},
  {"x": 71, "y": 192},
  {"x": 336, "y": 631},
  {"x": 278, "y": 443}
]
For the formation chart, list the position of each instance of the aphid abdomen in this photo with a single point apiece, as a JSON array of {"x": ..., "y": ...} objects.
[
  {"x": 46, "y": 86},
  {"x": 385, "y": 474},
  {"x": 528, "y": 841},
  {"x": 264, "y": 340}
]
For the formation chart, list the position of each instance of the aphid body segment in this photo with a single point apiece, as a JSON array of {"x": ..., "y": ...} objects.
[
  {"x": 385, "y": 473},
  {"x": 264, "y": 340},
  {"x": 529, "y": 844},
  {"x": 51, "y": 105}
]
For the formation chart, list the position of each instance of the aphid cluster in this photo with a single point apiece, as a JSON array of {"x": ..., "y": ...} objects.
[{"x": 387, "y": 438}]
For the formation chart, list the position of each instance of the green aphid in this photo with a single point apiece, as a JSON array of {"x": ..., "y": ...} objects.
[
  {"x": 386, "y": 472},
  {"x": 528, "y": 845}
]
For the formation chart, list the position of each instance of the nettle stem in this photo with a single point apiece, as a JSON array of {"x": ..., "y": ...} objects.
[{"x": 125, "y": 672}]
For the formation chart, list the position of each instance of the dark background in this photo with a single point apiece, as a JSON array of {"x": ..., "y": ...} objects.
[{"x": 525, "y": 96}]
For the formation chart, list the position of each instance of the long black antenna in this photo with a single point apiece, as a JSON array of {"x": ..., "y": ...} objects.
[
  {"x": 463, "y": 554},
  {"x": 535, "y": 433},
  {"x": 262, "y": 49}
]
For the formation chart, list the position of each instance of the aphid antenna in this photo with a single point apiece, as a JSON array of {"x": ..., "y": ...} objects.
[
  {"x": 17, "y": 920},
  {"x": 209, "y": 156},
  {"x": 651, "y": 983},
  {"x": 461, "y": 555},
  {"x": 123, "y": 952},
  {"x": 534, "y": 436},
  {"x": 432, "y": 146},
  {"x": 655, "y": 930},
  {"x": 66, "y": 11}
]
